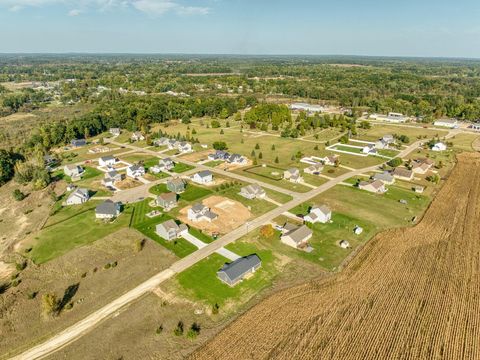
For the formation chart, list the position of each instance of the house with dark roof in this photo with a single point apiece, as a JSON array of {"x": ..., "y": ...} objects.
[
  {"x": 219, "y": 155},
  {"x": 200, "y": 212},
  {"x": 108, "y": 160},
  {"x": 107, "y": 210},
  {"x": 234, "y": 272},
  {"x": 385, "y": 177},
  {"x": 203, "y": 177},
  {"x": 78, "y": 142},
  {"x": 135, "y": 171},
  {"x": 111, "y": 177},
  {"x": 170, "y": 230}
]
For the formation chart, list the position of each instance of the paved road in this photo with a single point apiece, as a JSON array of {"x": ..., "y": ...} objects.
[{"x": 77, "y": 330}]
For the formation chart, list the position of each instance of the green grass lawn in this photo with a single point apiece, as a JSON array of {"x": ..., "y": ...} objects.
[
  {"x": 214, "y": 163},
  {"x": 181, "y": 167},
  {"x": 379, "y": 130},
  {"x": 200, "y": 282},
  {"x": 349, "y": 149},
  {"x": 277, "y": 196},
  {"x": 73, "y": 232},
  {"x": 264, "y": 174},
  {"x": 256, "y": 206},
  {"x": 191, "y": 193}
]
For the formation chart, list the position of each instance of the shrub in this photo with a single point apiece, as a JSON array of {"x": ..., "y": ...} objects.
[
  {"x": 220, "y": 145},
  {"x": 267, "y": 231},
  {"x": 215, "y": 124},
  {"x": 159, "y": 330},
  {"x": 395, "y": 162},
  {"x": 178, "y": 331},
  {"x": 21, "y": 265},
  {"x": 18, "y": 195},
  {"x": 215, "y": 308},
  {"x": 194, "y": 331}
]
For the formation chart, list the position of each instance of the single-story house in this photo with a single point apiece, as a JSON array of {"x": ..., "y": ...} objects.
[
  {"x": 253, "y": 191},
  {"x": 107, "y": 160},
  {"x": 374, "y": 186},
  {"x": 344, "y": 244},
  {"x": 297, "y": 237},
  {"x": 321, "y": 214},
  {"x": 439, "y": 147},
  {"x": 314, "y": 169},
  {"x": 137, "y": 136},
  {"x": 203, "y": 177},
  {"x": 200, "y": 212},
  {"x": 402, "y": 173},
  {"x": 74, "y": 171},
  {"x": 114, "y": 131},
  {"x": 167, "y": 200},
  {"x": 77, "y": 197},
  {"x": 234, "y": 272},
  {"x": 357, "y": 230},
  {"x": 385, "y": 177},
  {"x": 237, "y": 159},
  {"x": 421, "y": 166},
  {"x": 292, "y": 175},
  {"x": 107, "y": 210},
  {"x": 418, "y": 189},
  {"x": 166, "y": 164},
  {"x": 170, "y": 230},
  {"x": 448, "y": 123},
  {"x": 330, "y": 160},
  {"x": 135, "y": 171},
  {"x": 78, "y": 142},
  {"x": 176, "y": 185}
]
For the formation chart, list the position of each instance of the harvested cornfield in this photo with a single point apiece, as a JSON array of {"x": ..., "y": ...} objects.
[{"x": 411, "y": 293}]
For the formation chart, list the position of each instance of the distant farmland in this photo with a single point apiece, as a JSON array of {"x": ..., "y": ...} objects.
[{"x": 409, "y": 294}]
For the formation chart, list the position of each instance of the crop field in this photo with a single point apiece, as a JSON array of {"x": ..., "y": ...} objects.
[{"x": 410, "y": 293}]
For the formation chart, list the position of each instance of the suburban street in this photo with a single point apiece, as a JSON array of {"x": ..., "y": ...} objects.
[{"x": 77, "y": 330}]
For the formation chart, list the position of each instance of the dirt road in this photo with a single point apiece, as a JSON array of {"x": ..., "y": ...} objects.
[{"x": 409, "y": 294}]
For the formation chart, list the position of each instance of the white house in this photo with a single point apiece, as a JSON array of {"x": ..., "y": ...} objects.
[
  {"x": 111, "y": 178},
  {"x": 439, "y": 147},
  {"x": 203, "y": 177},
  {"x": 321, "y": 214},
  {"x": 166, "y": 164},
  {"x": 314, "y": 169},
  {"x": 107, "y": 210},
  {"x": 79, "y": 196},
  {"x": 385, "y": 142},
  {"x": 297, "y": 237},
  {"x": 344, "y": 244},
  {"x": 421, "y": 166},
  {"x": 357, "y": 230},
  {"x": 169, "y": 230},
  {"x": 448, "y": 123},
  {"x": 107, "y": 160},
  {"x": 135, "y": 171},
  {"x": 200, "y": 212},
  {"x": 74, "y": 171},
  {"x": 253, "y": 191},
  {"x": 307, "y": 107},
  {"x": 115, "y": 131},
  {"x": 330, "y": 160},
  {"x": 369, "y": 150},
  {"x": 184, "y": 147},
  {"x": 292, "y": 175},
  {"x": 137, "y": 136},
  {"x": 374, "y": 186}
]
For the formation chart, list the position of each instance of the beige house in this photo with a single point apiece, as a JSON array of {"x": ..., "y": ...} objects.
[
  {"x": 297, "y": 237},
  {"x": 374, "y": 186}
]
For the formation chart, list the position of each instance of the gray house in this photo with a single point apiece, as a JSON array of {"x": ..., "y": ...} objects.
[
  {"x": 78, "y": 142},
  {"x": 176, "y": 185},
  {"x": 169, "y": 230},
  {"x": 234, "y": 272},
  {"x": 107, "y": 210},
  {"x": 167, "y": 200},
  {"x": 386, "y": 177}
]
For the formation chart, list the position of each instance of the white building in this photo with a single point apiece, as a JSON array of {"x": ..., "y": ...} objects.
[
  {"x": 115, "y": 131},
  {"x": 107, "y": 210},
  {"x": 200, "y": 212},
  {"x": 292, "y": 175},
  {"x": 390, "y": 117},
  {"x": 357, "y": 230},
  {"x": 344, "y": 244},
  {"x": 107, "y": 161},
  {"x": 137, "y": 136},
  {"x": 307, "y": 107},
  {"x": 74, "y": 171},
  {"x": 439, "y": 147},
  {"x": 135, "y": 171},
  {"x": 203, "y": 177},
  {"x": 319, "y": 214},
  {"x": 166, "y": 164},
  {"x": 79, "y": 196},
  {"x": 448, "y": 123}
]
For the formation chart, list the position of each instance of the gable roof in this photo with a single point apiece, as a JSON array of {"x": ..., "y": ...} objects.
[
  {"x": 177, "y": 181},
  {"x": 299, "y": 234},
  {"x": 324, "y": 209},
  {"x": 238, "y": 268},
  {"x": 204, "y": 173},
  {"x": 108, "y": 157},
  {"x": 385, "y": 176},
  {"x": 402, "y": 172},
  {"x": 108, "y": 207},
  {"x": 168, "y": 197}
]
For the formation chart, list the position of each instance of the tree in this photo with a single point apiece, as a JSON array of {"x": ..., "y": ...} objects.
[
  {"x": 273, "y": 147},
  {"x": 267, "y": 231},
  {"x": 260, "y": 155},
  {"x": 7, "y": 163},
  {"x": 194, "y": 132},
  {"x": 194, "y": 331},
  {"x": 222, "y": 132},
  {"x": 220, "y": 145},
  {"x": 395, "y": 162},
  {"x": 18, "y": 195},
  {"x": 365, "y": 125},
  {"x": 178, "y": 331},
  {"x": 257, "y": 146},
  {"x": 50, "y": 304},
  {"x": 215, "y": 124},
  {"x": 253, "y": 153},
  {"x": 186, "y": 119},
  {"x": 276, "y": 160}
]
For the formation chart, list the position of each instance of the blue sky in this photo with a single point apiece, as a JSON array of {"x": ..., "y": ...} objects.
[{"x": 358, "y": 27}]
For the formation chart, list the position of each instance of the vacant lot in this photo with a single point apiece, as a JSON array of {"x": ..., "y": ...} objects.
[
  {"x": 413, "y": 133},
  {"x": 411, "y": 293}
]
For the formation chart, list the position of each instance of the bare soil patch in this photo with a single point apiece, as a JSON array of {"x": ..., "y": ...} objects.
[
  {"x": 197, "y": 156},
  {"x": 409, "y": 294},
  {"x": 127, "y": 183},
  {"x": 231, "y": 214}
]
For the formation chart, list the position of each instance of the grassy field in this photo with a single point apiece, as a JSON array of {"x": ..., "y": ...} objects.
[
  {"x": 413, "y": 133},
  {"x": 264, "y": 174},
  {"x": 351, "y": 149},
  {"x": 200, "y": 282},
  {"x": 74, "y": 231},
  {"x": 463, "y": 142},
  {"x": 256, "y": 206},
  {"x": 181, "y": 167}
]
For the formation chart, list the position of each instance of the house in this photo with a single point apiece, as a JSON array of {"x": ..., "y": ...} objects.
[
  {"x": 421, "y": 166},
  {"x": 234, "y": 272},
  {"x": 385, "y": 142},
  {"x": 475, "y": 126},
  {"x": 200, "y": 212},
  {"x": 137, "y": 136},
  {"x": 114, "y": 131},
  {"x": 439, "y": 147},
  {"x": 166, "y": 164},
  {"x": 297, "y": 237},
  {"x": 74, "y": 171},
  {"x": 50, "y": 160},
  {"x": 374, "y": 186},
  {"x": 321, "y": 214},
  {"x": 418, "y": 189},
  {"x": 370, "y": 150},
  {"x": 344, "y": 244},
  {"x": 390, "y": 117},
  {"x": 112, "y": 177},
  {"x": 448, "y": 123},
  {"x": 402, "y": 174},
  {"x": 237, "y": 159},
  {"x": 184, "y": 147},
  {"x": 253, "y": 191},
  {"x": 203, "y": 177},
  {"x": 155, "y": 169},
  {"x": 330, "y": 160},
  {"x": 78, "y": 142},
  {"x": 176, "y": 185},
  {"x": 307, "y": 107},
  {"x": 161, "y": 142},
  {"x": 167, "y": 200},
  {"x": 292, "y": 175},
  {"x": 172, "y": 144},
  {"x": 77, "y": 197},
  {"x": 108, "y": 210},
  {"x": 357, "y": 230},
  {"x": 314, "y": 169},
  {"x": 107, "y": 160},
  {"x": 385, "y": 177},
  {"x": 135, "y": 171},
  {"x": 169, "y": 230},
  {"x": 219, "y": 155}
]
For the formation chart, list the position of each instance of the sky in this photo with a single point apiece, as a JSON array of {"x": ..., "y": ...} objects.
[{"x": 426, "y": 28}]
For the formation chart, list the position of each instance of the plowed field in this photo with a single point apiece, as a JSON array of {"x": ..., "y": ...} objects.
[{"x": 411, "y": 293}]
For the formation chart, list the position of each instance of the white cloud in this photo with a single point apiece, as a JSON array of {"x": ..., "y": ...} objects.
[{"x": 150, "y": 7}]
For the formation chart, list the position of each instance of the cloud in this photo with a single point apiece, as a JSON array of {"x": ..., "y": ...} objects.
[{"x": 149, "y": 7}]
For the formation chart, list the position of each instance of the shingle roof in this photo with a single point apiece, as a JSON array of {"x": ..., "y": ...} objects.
[
  {"x": 204, "y": 173},
  {"x": 238, "y": 268},
  {"x": 299, "y": 234},
  {"x": 107, "y": 207}
]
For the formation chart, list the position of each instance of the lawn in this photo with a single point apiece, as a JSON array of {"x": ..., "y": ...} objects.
[
  {"x": 257, "y": 206},
  {"x": 73, "y": 232},
  {"x": 463, "y": 142},
  {"x": 214, "y": 163},
  {"x": 272, "y": 175},
  {"x": 191, "y": 193},
  {"x": 351, "y": 149},
  {"x": 181, "y": 167},
  {"x": 413, "y": 133},
  {"x": 200, "y": 282}
]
